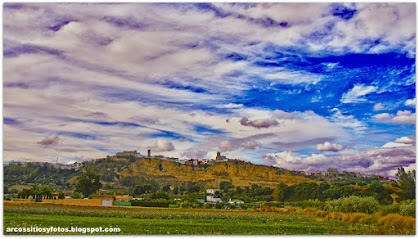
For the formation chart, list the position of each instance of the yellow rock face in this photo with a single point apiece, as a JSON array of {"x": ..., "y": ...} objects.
[{"x": 239, "y": 173}]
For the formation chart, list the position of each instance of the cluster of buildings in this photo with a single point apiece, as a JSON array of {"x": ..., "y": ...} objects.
[
  {"x": 212, "y": 197},
  {"x": 190, "y": 162}
]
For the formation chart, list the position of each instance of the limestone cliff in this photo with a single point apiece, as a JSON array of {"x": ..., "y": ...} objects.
[{"x": 239, "y": 173}]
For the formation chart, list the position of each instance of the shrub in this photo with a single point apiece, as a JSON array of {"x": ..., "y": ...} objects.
[
  {"x": 316, "y": 203},
  {"x": 356, "y": 217},
  {"x": 149, "y": 204},
  {"x": 394, "y": 208},
  {"x": 408, "y": 209},
  {"x": 352, "y": 204},
  {"x": 398, "y": 224}
]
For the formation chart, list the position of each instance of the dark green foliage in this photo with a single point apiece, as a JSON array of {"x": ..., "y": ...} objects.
[
  {"x": 25, "y": 193},
  {"x": 194, "y": 188},
  {"x": 352, "y": 204},
  {"x": 284, "y": 192},
  {"x": 259, "y": 193},
  {"x": 149, "y": 204},
  {"x": 76, "y": 195},
  {"x": 144, "y": 189},
  {"x": 37, "y": 191},
  {"x": 61, "y": 195},
  {"x": 379, "y": 192},
  {"x": 159, "y": 195},
  {"x": 87, "y": 184},
  {"x": 394, "y": 208},
  {"x": 176, "y": 190},
  {"x": 407, "y": 183},
  {"x": 226, "y": 186},
  {"x": 335, "y": 192},
  {"x": 408, "y": 209},
  {"x": 38, "y": 173},
  {"x": 166, "y": 188},
  {"x": 304, "y": 191}
]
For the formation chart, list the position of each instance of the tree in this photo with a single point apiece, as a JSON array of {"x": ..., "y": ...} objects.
[
  {"x": 166, "y": 188},
  {"x": 87, "y": 184},
  {"x": 175, "y": 190},
  {"x": 76, "y": 195},
  {"x": 407, "y": 183},
  {"x": 283, "y": 192},
  {"x": 159, "y": 195},
  {"x": 61, "y": 195},
  {"x": 226, "y": 185},
  {"x": 379, "y": 192}
]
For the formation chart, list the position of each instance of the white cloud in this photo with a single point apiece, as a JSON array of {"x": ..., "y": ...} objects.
[
  {"x": 378, "y": 107},
  {"x": 329, "y": 147},
  {"x": 251, "y": 145},
  {"x": 381, "y": 161},
  {"x": 404, "y": 117},
  {"x": 225, "y": 146},
  {"x": 410, "y": 102},
  {"x": 76, "y": 85},
  {"x": 401, "y": 142},
  {"x": 356, "y": 94},
  {"x": 406, "y": 140},
  {"x": 162, "y": 145},
  {"x": 382, "y": 116}
]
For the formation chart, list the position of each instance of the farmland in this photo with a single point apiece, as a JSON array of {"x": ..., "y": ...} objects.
[{"x": 185, "y": 221}]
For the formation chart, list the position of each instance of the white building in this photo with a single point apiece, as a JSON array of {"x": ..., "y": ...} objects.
[
  {"x": 211, "y": 198},
  {"x": 212, "y": 191}
]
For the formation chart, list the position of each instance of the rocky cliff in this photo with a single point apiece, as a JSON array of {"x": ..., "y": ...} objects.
[{"x": 239, "y": 173}]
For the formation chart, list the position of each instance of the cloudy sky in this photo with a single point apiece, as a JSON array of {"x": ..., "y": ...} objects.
[{"x": 298, "y": 86}]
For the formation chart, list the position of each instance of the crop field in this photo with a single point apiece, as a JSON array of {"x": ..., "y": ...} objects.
[{"x": 163, "y": 221}]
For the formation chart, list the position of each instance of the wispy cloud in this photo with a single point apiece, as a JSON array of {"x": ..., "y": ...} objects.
[{"x": 85, "y": 80}]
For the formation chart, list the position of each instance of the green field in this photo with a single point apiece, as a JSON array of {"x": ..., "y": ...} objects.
[{"x": 157, "y": 221}]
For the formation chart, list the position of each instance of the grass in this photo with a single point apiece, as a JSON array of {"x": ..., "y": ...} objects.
[
  {"x": 184, "y": 226},
  {"x": 163, "y": 221}
]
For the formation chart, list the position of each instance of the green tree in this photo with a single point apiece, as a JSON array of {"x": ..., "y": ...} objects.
[
  {"x": 407, "y": 183},
  {"x": 226, "y": 185},
  {"x": 284, "y": 192},
  {"x": 175, "y": 190},
  {"x": 159, "y": 195},
  {"x": 76, "y": 195},
  {"x": 61, "y": 195},
  {"x": 166, "y": 188},
  {"x": 87, "y": 184},
  {"x": 379, "y": 192}
]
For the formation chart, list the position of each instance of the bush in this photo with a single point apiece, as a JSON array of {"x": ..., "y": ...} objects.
[
  {"x": 398, "y": 224},
  {"x": 313, "y": 203},
  {"x": 186, "y": 205},
  {"x": 408, "y": 209},
  {"x": 149, "y": 204},
  {"x": 352, "y": 204},
  {"x": 394, "y": 208}
]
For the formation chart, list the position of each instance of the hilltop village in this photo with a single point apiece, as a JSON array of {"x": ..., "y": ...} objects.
[
  {"x": 129, "y": 178},
  {"x": 195, "y": 162}
]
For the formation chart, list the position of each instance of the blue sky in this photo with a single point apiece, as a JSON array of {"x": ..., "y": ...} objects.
[{"x": 303, "y": 86}]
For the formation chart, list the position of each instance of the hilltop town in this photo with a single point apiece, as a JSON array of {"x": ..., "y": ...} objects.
[{"x": 195, "y": 162}]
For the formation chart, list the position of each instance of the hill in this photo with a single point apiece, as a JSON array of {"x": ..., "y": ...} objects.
[{"x": 125, "y": 171}]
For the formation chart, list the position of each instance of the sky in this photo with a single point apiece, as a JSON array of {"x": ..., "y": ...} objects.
[{"x": 301, "y": 86}]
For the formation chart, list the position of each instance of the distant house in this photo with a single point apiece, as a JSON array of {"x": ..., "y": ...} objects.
[
  {"x": 124, "y": 198},
  {"x": 212, "y": 191},
  {"x": 55, "y": 195},
  {"x": 211, "y": 198},
  {"x": 106, "y": 200},
  {"x": 235, "y": 201}
]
